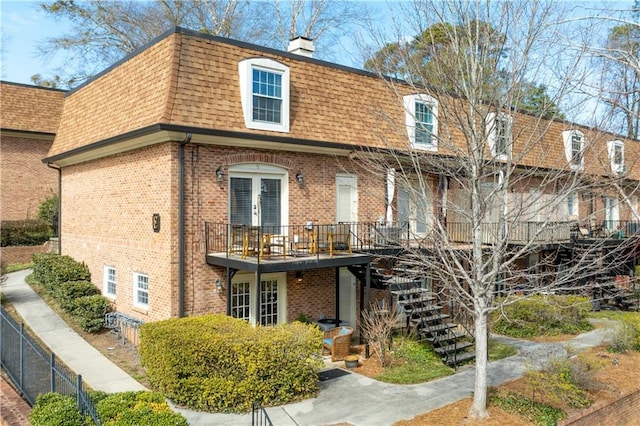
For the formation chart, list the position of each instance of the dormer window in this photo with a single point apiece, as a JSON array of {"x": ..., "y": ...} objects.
[
  {"x": 264, "y": 91},
  {"x": 616, "y": 156},
  {"x": 421, "y": 117},
  {"x": 499, "y": 130},
  {"x": 574, "y": 148}
]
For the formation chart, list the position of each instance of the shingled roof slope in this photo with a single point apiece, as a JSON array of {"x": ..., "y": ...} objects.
[{"x": 30, "y": 108}]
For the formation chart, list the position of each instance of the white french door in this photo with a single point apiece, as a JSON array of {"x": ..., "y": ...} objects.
[
  {"x": 415, "y": 207},
  {"x": 611, "y": 213},
  {"x": 257, "y": 196},
  {"x": 272, "y": 297}
]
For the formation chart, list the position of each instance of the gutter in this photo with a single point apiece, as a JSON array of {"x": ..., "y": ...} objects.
[
  {"x": 181, "y": 239},
  {"x": 59, "y": 169}
]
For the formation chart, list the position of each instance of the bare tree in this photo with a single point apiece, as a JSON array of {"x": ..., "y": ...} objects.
[
  {"x": 489, "y": 208},
  {"x": 378, "y": 324},
  {"x": 104, "y": 31}
]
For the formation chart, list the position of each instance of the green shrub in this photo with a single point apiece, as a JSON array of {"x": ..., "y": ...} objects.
[
  {"x": 48, "y": 211},
  {"x": 29, "y": 232},
  {"x": 67, "y": 293},
  {"x": 53, "y": 270},
  {"x": 218, "y": 363},
  {"x": 54, "y": 409},
  {"x": 536, "y": 412},
  {"x": 557, "y": 382},
  {"x": 543, "y": 316},
  {"x": 137, "y": 408},
  {"x": 626, "y": 334},
  {"x": 89, "y": 311}
]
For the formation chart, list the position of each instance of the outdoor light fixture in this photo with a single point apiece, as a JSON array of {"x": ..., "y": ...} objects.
[
  {"x": 299, "y": 277},
  {"x": 220, "y": 174},
  {"x": 219, "y": 286},
  {"x": 300, "y": 178}
]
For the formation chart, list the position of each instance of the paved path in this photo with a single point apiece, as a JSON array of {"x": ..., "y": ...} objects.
[
  {"x": 352, "y": 398},
  {"x": 96, "y": 370}
]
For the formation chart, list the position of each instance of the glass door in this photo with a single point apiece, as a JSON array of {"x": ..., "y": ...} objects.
[{"x": 256, "y": 201}]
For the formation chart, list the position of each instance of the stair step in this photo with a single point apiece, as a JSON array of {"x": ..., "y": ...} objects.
[
  {"x": 452, "y": 348},
  {"x": 409, "y": 291},
  {"x": 445, "y": 337},
  {"x": 431, "y": 330},
  {"x": 423, "y": 309},
  {"x": 423, "y": 320},
  {"x": 459, "y": 358},
  {"x": 419, "y": 299}
]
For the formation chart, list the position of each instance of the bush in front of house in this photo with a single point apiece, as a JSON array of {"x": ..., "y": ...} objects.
[
  {"x": 51, "y": 270},
  {"x": 28, "y": 232},
  {"x": 543, "y": 315},
  {"x": 137, "y": 408},
  {"x": 67, "y": 293},
  {"x": 222, "y": 364},
  {"x": 625, "y": 335},
  {"x": 89, "y": 311},
  {"x": 54, "y": 409}
]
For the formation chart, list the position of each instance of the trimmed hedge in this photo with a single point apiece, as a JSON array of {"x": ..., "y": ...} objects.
[
  {"x": 222, "y": 364},
  {"x": 54, "y": 409},
  {"x": 543, "y": 316},
  {"x": 69, "y": 291},
  {"x": 89, "y": 311},
  {"x": 51, "y": 270},
  {"x": 29, "y": 232},
  {"x": 137, "y": 408}
]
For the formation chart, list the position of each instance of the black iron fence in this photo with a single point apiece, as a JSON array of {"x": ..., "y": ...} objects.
[
  {"x": 34, "y": 370},
  {"x": 259, "y": 416}
]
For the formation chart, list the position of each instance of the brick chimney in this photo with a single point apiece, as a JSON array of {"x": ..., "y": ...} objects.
[{"x": 301, "y": 46}]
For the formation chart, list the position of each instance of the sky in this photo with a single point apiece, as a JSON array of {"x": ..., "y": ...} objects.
[{"x": 23, "y": 26}]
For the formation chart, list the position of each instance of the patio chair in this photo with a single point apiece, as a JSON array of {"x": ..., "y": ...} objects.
[
  {"x": 338, "y": 342},
  {"x": 339, "y": 238}
]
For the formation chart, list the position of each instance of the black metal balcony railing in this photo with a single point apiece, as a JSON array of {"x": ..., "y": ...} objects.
[{"x": 315, "y": 239}]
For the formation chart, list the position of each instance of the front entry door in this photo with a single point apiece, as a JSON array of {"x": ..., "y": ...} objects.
[
  {"x": 347, "y": 211},
  {"x": 273, "y": 296}
]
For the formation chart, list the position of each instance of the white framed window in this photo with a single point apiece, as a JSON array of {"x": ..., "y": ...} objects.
[
  {"x": 616, "y": 156},
  {"x": 272, "y": 297},
  {"x": 500, "y": 134},
  {"x": 421, "y": 119},
  {"x": 572, "y": 205},
  {"x": 574, "y": 148},
  {"x": 264, "y": 92},
  {"x": 109, "y": 282},
  {"x": 140, "y": 290}
]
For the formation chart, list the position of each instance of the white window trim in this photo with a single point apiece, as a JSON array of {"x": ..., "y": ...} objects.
[
  {"x": 410, "y": 120},
  {"x": 135, "y": 291},
  {"x": 253, "y": 294},
  {"x": 611, "y": 149},
  {"x": 105, "y": 282},
  {"x": 492, "y": 134},
  {"x": 566, "y": 138},
  {"x": 245, "y": 69}
]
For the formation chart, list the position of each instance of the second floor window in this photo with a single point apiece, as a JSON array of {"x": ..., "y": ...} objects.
[
  {"x": 576, "y": 149},
  {"x": 267, "y": 96},
  {"x": 499, "y": 128},
  {"x": 421, "y": 118}
]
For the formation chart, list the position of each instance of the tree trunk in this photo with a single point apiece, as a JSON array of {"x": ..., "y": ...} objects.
[{"x": 478, "y": 409}]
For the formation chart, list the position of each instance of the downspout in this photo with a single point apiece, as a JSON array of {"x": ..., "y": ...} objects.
[
  {"x": 181, "y": 239},
  {"x": 59, "y": 169}
]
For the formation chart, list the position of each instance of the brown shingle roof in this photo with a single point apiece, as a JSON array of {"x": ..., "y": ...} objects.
[{"x": 30, "y": 108}]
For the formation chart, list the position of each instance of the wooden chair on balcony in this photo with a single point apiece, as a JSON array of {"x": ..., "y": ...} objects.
[
  {"x": 339, "y": 238},
  {"x": 338, "y": 342}
]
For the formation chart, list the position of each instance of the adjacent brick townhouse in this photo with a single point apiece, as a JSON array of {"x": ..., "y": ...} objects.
[
  {"x": 202, "y": 175},
  {"x": 28, "y": 123}
]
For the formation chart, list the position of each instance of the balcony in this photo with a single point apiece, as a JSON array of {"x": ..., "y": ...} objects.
[{"x": 295, "y": 247}]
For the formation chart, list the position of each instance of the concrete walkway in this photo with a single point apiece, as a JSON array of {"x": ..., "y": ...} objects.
[
  {"x": 351, "y": 398},
  {"x": 96, "y": 370}
]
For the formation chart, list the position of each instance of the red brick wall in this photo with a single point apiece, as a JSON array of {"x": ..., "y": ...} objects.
[
  {"x": 623, "y": 411},
  {"x": 25, "y": 181},
  {"x": 21, "y": 254}
]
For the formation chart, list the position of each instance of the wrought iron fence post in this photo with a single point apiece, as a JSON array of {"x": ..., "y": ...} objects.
[
  {"x": 79, "y": 400},
  {"x": 52, "y": 363},
  {"x": 22, "y": 338}
]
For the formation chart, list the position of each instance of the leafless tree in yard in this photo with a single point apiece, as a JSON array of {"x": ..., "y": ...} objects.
[
  {"x": 378, "y": 324},
  {"x": 489, "y": 205}
]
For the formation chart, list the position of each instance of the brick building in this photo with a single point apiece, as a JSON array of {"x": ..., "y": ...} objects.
[
  {"x": 206, "y": 175},
  {"x": 28, "y": 123}
]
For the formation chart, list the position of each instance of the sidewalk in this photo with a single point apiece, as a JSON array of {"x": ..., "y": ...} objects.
[
  {"x": 96, "y": 370},
  {"x": 351, "y": 398}
]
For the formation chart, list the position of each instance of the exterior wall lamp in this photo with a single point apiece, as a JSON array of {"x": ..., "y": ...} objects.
[
  {"x": 299, "y": 277},
  {"x": 220, "y": 175},
  {"x": 219, "y": 286},
  {"x": 300, "y": 178}
]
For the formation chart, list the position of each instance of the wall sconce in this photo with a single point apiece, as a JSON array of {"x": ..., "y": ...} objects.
[
  {"x": 299, "y": 277},
  {"x": 300, "y": 178},
  {"x": 219, "y": 286},
  {"x": 220, "y": 175}
]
